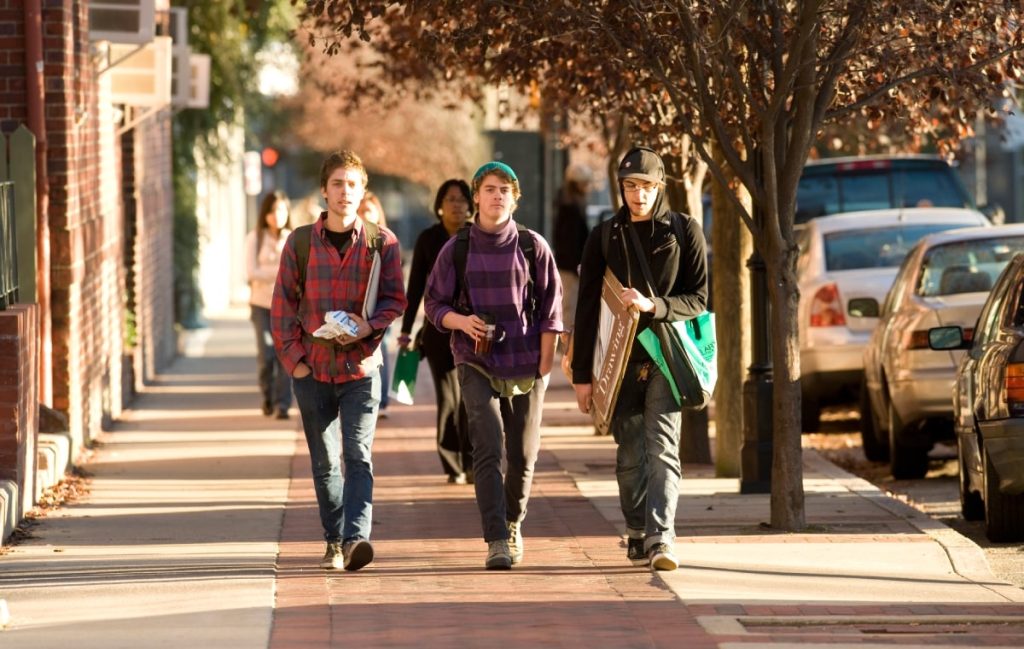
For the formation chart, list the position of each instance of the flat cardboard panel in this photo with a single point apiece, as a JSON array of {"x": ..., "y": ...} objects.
[{"x": 615, "y": 334}]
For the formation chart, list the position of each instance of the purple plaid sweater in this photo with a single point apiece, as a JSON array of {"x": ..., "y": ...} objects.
[{"x": 497, "y": 276}]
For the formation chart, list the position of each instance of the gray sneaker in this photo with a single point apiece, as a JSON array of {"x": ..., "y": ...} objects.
[
  {"x": 515, "y": 541},
  {"x": 333, "y": 559},
  {"x": 662, "y": 558},
  {"x": 357, "y": 553},
  {"x": 498, "y": 555}
]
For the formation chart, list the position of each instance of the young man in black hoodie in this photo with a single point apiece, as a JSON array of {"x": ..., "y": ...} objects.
[{"x": 646, "y": 419}]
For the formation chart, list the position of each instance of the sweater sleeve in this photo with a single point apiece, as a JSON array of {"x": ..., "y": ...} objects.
[
  {"x": 437, "y": 300},
  {"x": 548, "y": 289}
]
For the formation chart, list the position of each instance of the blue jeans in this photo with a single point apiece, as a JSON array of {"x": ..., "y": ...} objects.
[
  {"x": 646, "y": 428},
  {"x": 346, "y": 504},
  {"x": 499, "y": 427},
  {"x": 275, "y": 384}
]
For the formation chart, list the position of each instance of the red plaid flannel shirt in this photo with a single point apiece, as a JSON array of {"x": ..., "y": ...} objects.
[{"x": 334, "y": 283}]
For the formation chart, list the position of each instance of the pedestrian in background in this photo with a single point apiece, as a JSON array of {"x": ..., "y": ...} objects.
[
  {"x": 570, "y": 235},
  {"x": 337, "y": 381},
  {"x": 646, "y": 419},
  {"x": 451, "y": 207},
  {"x": 504, "y": 314},
  {"x": 263, "y": 247},
  {"x": 371, "y": 209}
]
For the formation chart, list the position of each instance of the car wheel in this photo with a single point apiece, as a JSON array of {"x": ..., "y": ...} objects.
[
  {"x": 1004, "y": 514},
  {"x": 972, "y": 507},
  {"x": 810, "y": 413},
  {"x": 875, "y": 449},
  {"x": 906, "y": 461}
]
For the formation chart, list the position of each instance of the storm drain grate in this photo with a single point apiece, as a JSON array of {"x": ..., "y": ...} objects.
[{"x": 860, "y": 625}]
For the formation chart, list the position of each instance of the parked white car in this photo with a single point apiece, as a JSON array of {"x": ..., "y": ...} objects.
[
  {"x": 906, "y": 404},
  {"x": 846, "y": 265}
]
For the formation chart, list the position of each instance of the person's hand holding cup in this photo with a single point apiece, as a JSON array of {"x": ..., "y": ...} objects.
[{"x": 485, "y": 341}]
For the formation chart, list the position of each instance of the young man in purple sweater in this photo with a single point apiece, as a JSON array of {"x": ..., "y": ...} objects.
[{"x": 503, "y": 383}]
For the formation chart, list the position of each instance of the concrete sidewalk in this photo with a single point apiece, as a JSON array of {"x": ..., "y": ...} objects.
[{"x": 201, "y": 530}]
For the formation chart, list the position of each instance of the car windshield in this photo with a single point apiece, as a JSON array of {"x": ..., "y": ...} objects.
[
  {"x": 883, "y": 247},
  {"x": 831, "y": 191},
  {"x": 966, "y": 266}
]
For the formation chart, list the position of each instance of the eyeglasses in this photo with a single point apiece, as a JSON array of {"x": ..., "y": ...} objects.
[{"x": 632, "y": 186}]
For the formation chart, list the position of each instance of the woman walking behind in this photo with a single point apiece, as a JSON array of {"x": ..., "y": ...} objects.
[
  {"x": 451, "y": 206},
  {"x": 262, "y": 257}
]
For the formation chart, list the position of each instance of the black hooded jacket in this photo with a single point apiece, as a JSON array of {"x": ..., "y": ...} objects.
[{"x": 679, "y": 270}]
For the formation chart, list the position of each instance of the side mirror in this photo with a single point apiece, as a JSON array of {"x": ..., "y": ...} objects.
[
  {"x": 863, "y": 307},
  {"x": 994, "y": 212},
  {"x": 947, "y": 338}
]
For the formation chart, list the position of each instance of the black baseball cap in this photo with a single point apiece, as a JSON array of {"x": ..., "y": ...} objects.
[{"x": 642, "y": 163}]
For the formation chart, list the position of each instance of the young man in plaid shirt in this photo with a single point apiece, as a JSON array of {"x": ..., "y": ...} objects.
[{"x": 337, "y": 381}]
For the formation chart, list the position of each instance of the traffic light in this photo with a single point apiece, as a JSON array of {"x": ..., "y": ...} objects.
[{"x": 269, "y": 156}]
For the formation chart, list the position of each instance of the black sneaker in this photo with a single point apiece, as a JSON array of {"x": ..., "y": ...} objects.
[
  {"x": 357, "y": 554},
  {"x": 268, "y": 408},
  {"x": 662, "y": 558},
  {"x": 635, "y": 552}
]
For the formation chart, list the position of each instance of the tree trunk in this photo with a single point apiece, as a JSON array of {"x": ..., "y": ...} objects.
[
  {"x": 730, "y": 299},
  {"x": 616, "y": 136},
  {"x": 787, "y": 498},
  {"x": 694, "y": 442}
]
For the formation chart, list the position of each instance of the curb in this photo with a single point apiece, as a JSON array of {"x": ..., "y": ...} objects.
[{"x": 966, "y": 559}]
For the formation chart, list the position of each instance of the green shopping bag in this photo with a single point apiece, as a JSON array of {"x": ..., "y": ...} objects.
[
  {"x": 403, "y": 381},
  {"x": 691, "y": 363}
]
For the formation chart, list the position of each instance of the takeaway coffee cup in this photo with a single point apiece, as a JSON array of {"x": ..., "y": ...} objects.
[{"x": 485, "y": 342}]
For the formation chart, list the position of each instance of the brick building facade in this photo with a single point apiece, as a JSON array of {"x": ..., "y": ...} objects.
[{"x": 110, "y": 240}]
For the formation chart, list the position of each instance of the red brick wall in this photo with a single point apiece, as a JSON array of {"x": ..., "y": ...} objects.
[
  {"x": 19, "y": 398},
  {"x": 154, "y": 252},
  {"x": 85, "y": 218},
  {"x": 12, "y": 65}
]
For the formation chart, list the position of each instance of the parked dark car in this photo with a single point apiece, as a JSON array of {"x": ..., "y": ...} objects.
[
  {"x": 988, "y": 408},
  {"x": 836, "y": 185}
]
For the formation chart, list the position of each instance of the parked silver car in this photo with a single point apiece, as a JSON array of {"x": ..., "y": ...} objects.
[
  {"x": 847, "y": 263},
  {"x": 988, "y": 407},
  {"x": 905, "y": 403}
]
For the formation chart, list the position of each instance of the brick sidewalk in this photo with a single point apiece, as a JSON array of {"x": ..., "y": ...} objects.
[{"x": 427, "y": 586}]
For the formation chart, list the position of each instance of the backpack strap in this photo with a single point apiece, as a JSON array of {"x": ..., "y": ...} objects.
[
  {"x": 301, "y": 237},
  {"x": 461, "y": 252},
  {"x": 529, "y": 249}
]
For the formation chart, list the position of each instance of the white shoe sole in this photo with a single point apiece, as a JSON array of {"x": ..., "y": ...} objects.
[{"x": 663, "y": 562}]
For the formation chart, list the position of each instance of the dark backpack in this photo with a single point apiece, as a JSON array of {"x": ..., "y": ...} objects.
[
  {"x": 526, "y": 244},
  {"x": 302, "y": 236}
]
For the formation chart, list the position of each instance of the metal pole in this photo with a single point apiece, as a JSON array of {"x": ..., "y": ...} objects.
[{"x": 756, "y": 452}]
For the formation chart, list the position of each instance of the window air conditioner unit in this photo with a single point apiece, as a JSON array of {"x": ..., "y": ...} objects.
[
  {"x": 122, "y": 21},
  {"x": 141, "y": 76},
  {"x": 199, "y": 81},
  {"x": 176, "y": 26}
]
